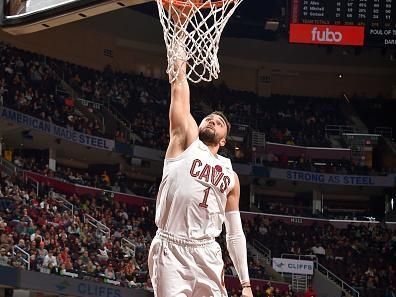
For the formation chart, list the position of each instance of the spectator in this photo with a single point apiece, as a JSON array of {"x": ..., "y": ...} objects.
[
  {"x": 3, "y": 224},
  {"x": 269, "y": 291},
  {"x": 74, "y": 229},
  {"x": 109, "y": 272},
  {"x": 36, "y": 236},
  {"x": 318, "y": 250},
  {"x": 129, "y": 271},
  {"x": 85, "y": 258},
  {"x": 42, "y": 252},
  {"x": 390, "y": 292},
  {"x": 4, "y": 259},
  {"x": 91, "y": 268},
  {"x": 258, "y": 292},
  {"x": 105, "y": 178},
  {"x": 50, "y": 261}
]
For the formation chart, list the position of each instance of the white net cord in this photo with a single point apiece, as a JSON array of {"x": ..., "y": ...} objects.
[{"x": 192, "y": 34}]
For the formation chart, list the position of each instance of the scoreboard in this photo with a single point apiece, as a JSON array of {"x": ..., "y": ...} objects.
[
  {"x": 15, "y": 8},
  {"x": 343, "y": 22},
  {"x": 28, "y": 16}
]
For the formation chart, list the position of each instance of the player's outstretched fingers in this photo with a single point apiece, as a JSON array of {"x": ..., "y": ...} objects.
[{"x": 180, "y": 10}]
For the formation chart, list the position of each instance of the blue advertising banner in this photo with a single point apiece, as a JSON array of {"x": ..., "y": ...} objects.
[
  {"x": 55, "y": 130},
  {"x": 333, "y": 179},
  {"x": 8, "y": 276},
  {"x": 61, "y": 285}
]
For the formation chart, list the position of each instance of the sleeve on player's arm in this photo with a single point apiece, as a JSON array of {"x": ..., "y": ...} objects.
[{"x": 236, "y": 245}]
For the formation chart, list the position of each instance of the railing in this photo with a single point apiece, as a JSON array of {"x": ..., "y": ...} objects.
[
  {"x": 100, "y": 227},
  {"x": 35, "y": 183},
  {"x": 339, "y": 129},
  {"x": 257, "y": 255},
  {"x": 384, "y": 131},
  {"x": 16, "y": 249},
  {"x": 64, "y": 93},
  {"x": 299, "y": 282},
  {"x": 69, "y": 91},
  {"x": 312, "y": 153},
  {"x": 331, "y": 276},
  {"x": 128, "y": 247},
  {"x": 118, "y": 116},
  {"x": 66, "y": 204},
  {"x": 89, "y": 103},
  {"x": 258, "y": 139},
  {"x": 361, "y": 138},
  {"x": 299, "y": 257},
  {"x": 266, "y": 252}
]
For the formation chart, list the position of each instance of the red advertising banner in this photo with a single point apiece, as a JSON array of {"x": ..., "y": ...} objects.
[
  {"x": 68, "y": 188},
  {"x": 326, "y": 34}
]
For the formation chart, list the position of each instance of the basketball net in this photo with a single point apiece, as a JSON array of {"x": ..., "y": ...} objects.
[{"x": 192, "y": 31}]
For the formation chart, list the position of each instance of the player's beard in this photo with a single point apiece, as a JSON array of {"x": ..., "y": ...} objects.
[{"x": 207, "y": 136}]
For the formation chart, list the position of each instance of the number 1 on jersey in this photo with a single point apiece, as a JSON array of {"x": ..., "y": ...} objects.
[{"x": 203, "y": 203}]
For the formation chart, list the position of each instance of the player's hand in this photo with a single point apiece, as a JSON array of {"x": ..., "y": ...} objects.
[
  {"x": 247, "y": 292},
  {"x": 179, "y": 14}
]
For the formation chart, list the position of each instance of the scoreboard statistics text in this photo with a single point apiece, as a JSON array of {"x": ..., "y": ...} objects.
[{"x": 344, "y": 22}]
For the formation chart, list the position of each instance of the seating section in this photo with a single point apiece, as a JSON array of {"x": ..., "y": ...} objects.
[
  {"x": 95, "y": 240},
  {"x": 377, "y": 113},
  {"x": 71, "y": 243},
  {"x": 361, "y": 255},
  {"x": 65, "y": 242},
  {"x": 29, "y": 85}
]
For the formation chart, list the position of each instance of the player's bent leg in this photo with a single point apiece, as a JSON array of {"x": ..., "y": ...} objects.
[
  {"x": 170, "y": 270},
  {"x": 210, "y": 272}
]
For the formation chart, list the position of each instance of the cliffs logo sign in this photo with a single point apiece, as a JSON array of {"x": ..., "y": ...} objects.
[
  {"x": 323, "y": 34},
  {"x": 293, "y": 266}
]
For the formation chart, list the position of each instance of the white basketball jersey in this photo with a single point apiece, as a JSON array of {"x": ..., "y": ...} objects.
[{"x": 193, "y": 193}]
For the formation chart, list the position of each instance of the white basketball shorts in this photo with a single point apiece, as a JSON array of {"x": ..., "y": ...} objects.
[{"x": 186, "y": 268}]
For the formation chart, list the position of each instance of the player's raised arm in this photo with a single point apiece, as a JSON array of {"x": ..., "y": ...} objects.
[
  {"x": 236, "y": 240},
  {"x": 183, "y": 129}
]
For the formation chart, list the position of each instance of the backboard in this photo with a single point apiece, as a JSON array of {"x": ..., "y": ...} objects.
[{"x": 28, "y": 16}]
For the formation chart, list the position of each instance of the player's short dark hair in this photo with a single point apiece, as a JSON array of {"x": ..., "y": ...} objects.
[{"x": 222, "y": 115}]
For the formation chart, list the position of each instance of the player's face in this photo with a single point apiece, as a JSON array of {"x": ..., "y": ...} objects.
[{"x": 213, "y": 130}]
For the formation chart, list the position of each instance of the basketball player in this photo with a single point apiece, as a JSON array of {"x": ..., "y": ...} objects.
[{"x": 198, "y": 193}]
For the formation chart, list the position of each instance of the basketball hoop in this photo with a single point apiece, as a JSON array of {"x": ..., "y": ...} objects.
[{"x": 192, "y": 31}]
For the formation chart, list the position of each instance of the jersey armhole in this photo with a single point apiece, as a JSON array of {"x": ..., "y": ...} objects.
[
  {"x": 168, "y": 160},
  {"x": 232, "y": 184}
]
